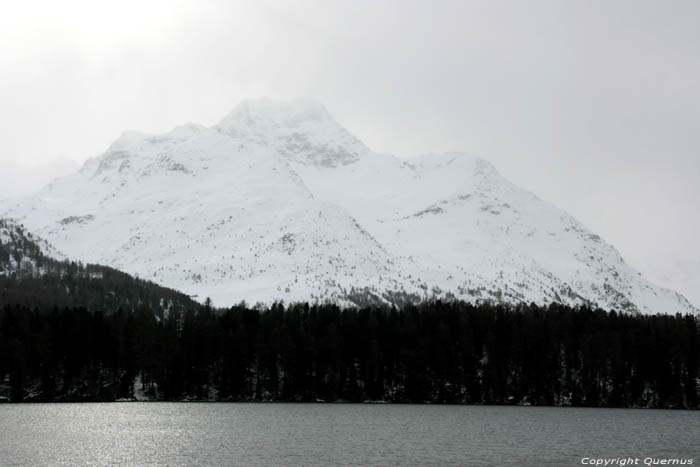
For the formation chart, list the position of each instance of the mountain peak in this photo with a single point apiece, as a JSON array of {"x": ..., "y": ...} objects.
[
  {"x": 281, "y": 202},
  {"x": 272, "y": 112},
  {"x": 302, "y": 130}
]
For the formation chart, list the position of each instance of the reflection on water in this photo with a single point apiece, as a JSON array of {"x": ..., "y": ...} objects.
[{"x": 216, "y": 434}]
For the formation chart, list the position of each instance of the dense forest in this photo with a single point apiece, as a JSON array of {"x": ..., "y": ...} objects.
[
  {"x": 435, "y": 352},
  {"x": 76, "y": 332},
  {"x": 93, "y": 287},
  {"x": 30, "y": 278}
]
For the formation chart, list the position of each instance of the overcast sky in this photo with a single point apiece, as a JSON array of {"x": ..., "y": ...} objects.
[{"x": 592, "y": 105}]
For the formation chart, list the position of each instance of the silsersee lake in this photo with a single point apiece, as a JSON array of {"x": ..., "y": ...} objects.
[{"x": 218, "y": 434}]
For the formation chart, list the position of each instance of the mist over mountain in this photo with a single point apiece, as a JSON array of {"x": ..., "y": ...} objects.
[
  {"x": 18, "y": 180},
  {"x": 280, "y": 202}
]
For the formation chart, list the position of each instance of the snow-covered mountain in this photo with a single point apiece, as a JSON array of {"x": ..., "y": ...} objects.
[
  {"x": 34, "y": 275},
  {"x": 20, "y": 254},
  {"x": 280, "y": 202}
]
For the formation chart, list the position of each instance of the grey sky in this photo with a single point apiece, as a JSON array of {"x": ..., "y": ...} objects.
[{"x": 593, "y": 105}]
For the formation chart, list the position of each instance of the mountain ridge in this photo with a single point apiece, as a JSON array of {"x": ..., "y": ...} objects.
[{"x": 279, "y": 202}]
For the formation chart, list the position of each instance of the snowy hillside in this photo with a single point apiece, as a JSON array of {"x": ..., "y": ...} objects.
[
  {"x": 21, "y": 255},
  {"x": 34, "y": 275},
  {"x": 280, "y": 202}
]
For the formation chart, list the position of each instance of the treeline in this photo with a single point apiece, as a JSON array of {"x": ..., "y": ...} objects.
[
  {"x": 70, "y": 284},
  {"x": 435, "y": 352},
  {"x": 32, "y": 279}
]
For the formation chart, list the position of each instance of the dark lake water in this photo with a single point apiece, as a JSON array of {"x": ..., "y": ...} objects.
[{"x": 221, "y": 434}]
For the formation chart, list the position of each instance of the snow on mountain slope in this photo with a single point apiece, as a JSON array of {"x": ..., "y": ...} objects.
[
  {"x": 278, "y": 201},
  {"x": 21, "y": 253},
  {"x": 301, "y": 130},
  {"x": 458, "y": 212}
]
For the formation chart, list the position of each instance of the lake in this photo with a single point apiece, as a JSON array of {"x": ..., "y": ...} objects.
[{"x": 219, "y": 434}]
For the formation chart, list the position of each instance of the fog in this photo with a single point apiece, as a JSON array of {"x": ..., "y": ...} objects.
[{"x": 594, "y": 106}]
